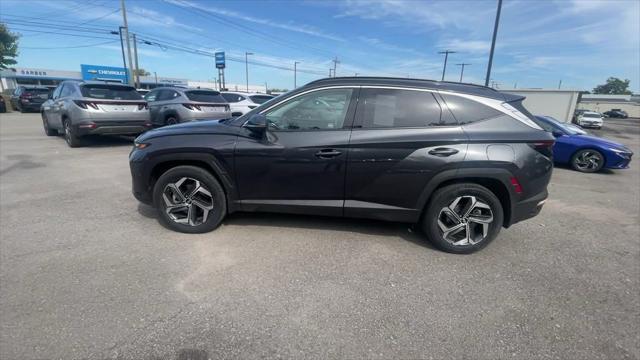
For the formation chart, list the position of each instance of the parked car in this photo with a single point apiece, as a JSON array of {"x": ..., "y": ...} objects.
[
  {"x": 29, "y": 98},
  {"x": 616, "y": 113},
  {"x": 242, "y": 103},
  {"x": 3, "y": 105},
  {"x": 590, "y": 119},
  {"x": 173, "y": 105},
  {"x": 583, "y": 152},
  {"x": 78, "y": 108},
  {"x": 460, "y": 160}
]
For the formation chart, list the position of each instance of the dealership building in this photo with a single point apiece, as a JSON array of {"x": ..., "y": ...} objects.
[{"x": 14, "y": 77}]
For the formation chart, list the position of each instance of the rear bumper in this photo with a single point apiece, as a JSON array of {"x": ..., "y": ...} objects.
[
  {"x": 528, "y": 208},
  {"x": 133, "y": 127}
]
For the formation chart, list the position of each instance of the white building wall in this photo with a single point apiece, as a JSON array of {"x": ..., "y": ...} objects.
[{"x": 559, "y": 104}]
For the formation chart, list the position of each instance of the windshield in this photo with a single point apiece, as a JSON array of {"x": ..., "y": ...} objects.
[
  {"x": 591, "y": 115},
  {"x": 259, "y": 99},
  {"x": 205, "y": 96},
  {"x": 110, "y": 92},
  {"x": 550, "y": 124}
]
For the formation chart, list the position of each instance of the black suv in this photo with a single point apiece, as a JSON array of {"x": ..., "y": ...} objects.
[{"x": 461, "y": 160}]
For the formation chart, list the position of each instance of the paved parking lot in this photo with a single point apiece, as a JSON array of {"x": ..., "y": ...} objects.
[{"x": 87, "y": 272}]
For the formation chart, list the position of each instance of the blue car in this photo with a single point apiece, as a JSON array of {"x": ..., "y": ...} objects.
[{"x": 582, "y": 151}]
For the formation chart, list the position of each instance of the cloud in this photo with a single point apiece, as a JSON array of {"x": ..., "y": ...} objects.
[
  {"x": 141, "y": 51},
  {"x": 302, "y": 29},
  {"x": 466, "y": 46}
]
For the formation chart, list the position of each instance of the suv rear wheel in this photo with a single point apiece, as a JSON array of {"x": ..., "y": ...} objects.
[
  {"x": 463, "y": 218},
  {"x": 171, "y": 120},
  {"x": 70, "y": 136},
  {"x": 189, "y": 199}
]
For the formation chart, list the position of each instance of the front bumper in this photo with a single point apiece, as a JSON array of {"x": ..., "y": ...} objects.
[
  {"x": 618, "y": 160},
  {"x": 139, "y": 186},
  {"x": 133, "y": 127}
]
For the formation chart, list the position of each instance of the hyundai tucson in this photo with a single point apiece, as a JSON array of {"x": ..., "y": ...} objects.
[{"x": 461, "y": 161}]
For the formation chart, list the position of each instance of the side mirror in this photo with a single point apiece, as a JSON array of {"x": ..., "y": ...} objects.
[
  {"x": 257, "y": 123},
  {"x": 557, "y": 133}
]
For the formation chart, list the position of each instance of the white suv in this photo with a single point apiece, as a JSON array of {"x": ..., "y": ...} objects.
[
  {"x": 241, "y": 103},
  {"x": 590, "y": 119}
]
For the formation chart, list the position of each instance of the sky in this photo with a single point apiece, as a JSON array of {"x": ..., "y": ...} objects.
[{"x": 539, "y": 43}]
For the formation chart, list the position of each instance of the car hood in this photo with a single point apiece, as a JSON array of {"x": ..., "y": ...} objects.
[
  {"x": 598, "y": 141},
  {"x": 193, "y": 127}
]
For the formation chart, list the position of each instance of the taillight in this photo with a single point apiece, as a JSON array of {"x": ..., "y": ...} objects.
[
  {"x": 545, "y": 147},
  {"x": 143, "y": 106},
  {"x": 516, "y": 185},
  {"x": 86, "y": 104},
  {"x": 192, "y": 106}
]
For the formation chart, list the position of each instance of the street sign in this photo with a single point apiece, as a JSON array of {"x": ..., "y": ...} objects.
[{"x": 220, "y": 60}]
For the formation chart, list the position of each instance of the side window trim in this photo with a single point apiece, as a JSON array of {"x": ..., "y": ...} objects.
[{"x": 349, "y": 115}]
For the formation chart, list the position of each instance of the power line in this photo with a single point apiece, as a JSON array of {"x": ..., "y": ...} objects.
[
  {"x": 64, "y": 34},
  {"x": 69, "y": 47}
]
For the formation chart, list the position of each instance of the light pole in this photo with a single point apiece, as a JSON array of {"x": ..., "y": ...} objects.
[
  {"x": 246, "y": 67},
  {"x": 124, "y": 62},
  {"x": 295, "y": 74},
  {"x": 446, "y": 56},
  {"x": 462, "y": 70},
  {"x": 493, "y": 43}
]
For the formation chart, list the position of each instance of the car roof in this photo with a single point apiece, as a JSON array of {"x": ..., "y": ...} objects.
[
  {"x": 92, "y": 82},
  {"x": 181, "y": 88},
  {"x": 464, "y": 88}
]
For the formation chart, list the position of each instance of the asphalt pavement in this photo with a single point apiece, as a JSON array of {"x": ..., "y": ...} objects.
[{"x": 87, "y": 272}]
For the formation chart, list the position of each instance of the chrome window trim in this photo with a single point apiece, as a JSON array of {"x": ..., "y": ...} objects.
[{"x": 495, "y": 104}]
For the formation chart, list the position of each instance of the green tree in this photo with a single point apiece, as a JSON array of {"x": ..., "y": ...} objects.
[
  {"x": 614, "y": 86},
  {"x": 8, "y": 47},
  {"x": 142, "y": 72}
]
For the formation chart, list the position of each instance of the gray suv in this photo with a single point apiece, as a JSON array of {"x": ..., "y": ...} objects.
[
  {"x": 78, "y": 108},
  {"x": 172, "y": 105}
]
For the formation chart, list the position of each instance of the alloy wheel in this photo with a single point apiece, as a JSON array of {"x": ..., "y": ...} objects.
[
  {"x": 588, "y": 161},
  {"x": 187, "y": 201},
  {"x": 465, "y": 221}
]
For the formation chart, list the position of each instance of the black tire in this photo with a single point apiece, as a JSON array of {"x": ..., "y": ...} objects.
[
  {"x": 208, "y": 181},
  {"x": 443, "y": 198},
  {"x": 70, "y": 136},
  {"x": 579, "y": 163},
  {"x": 45, "y": 124},
  {"x": 171, "y": 120}
]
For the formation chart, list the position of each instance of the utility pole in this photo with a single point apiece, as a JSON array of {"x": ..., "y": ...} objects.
[
  {"x": 560, "y": 84},
  {"x": 126, "y": 34},
  {"x": 295, "y": 74},
  {"x": 515, "y": 85},
  {"x": 266, "y": 89},
  {"x": 335, "y": 63},
  {"x": 124, "y": 61},
  {"x": 246, "y": 67},
  {"x": 462, "y": 70},
  {"x": 135, "y": 54},
  {"x": 493, "y": 43},
  {"x": 156, "y": 76},
  {"x": 330, "y": 69},
  {"x": 446, "y": 56}
]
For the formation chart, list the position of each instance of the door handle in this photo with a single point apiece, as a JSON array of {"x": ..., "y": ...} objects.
[
  {"x": 443, "y": 152},
  {"x": 328, "y": 153}
]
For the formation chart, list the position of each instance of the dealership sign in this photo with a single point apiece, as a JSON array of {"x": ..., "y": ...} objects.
[
  {"x": 220, "y": 60},
  {"x": 104, "y": 73}
]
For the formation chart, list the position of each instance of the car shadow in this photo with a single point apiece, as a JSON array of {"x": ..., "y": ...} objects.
[
  {"x": 408, "y": 232},
  {"x": 98, "y": 141}
]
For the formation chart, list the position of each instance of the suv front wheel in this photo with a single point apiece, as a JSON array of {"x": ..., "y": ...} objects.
[
  {"x": 462, "y": 218},
  {"x": 189, "y": 199}
]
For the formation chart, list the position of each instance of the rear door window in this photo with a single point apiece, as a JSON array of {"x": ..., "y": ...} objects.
[
  {"x": 205, "y": 96},
  {"x": 467, "y": 111},
  {"x": 233, "y": 98},
  {"x": 259, "y": 99},
  {"x": 395, "y": 108},
  {"x": 110, "y": 92}
]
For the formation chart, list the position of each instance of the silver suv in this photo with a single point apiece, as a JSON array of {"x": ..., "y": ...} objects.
[
  {"x": 79, "y": 108},
  {"x": 172, "y": 105}
]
